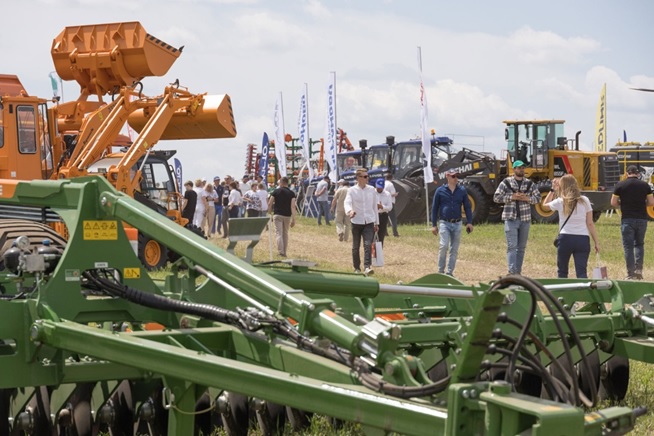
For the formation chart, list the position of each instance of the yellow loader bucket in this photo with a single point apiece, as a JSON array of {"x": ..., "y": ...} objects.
[
  {"x": 101, "y": 57},
  {"x": 212, "y": 119}
]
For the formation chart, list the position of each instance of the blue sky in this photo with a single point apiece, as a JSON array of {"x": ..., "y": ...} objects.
[{"x": 483, "y": 62}]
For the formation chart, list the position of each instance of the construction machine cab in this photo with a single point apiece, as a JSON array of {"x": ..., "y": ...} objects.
[{"x": 530, "y": 141}]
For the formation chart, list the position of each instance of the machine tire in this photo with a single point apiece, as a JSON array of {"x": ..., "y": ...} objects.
[
  {"x": 650, "y": 213},
  {"x": 152, "y": 254},
  {"x": 36, "y": 232},
  {"x": 538, "y": 212},
  {"x": 495, "y": 214},
  {"x": 480, "y": 203}
]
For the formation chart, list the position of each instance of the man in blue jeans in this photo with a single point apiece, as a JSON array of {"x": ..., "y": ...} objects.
[
  {"x": 517, "y": 193},
  {"x": 633, "y": 196},
  {"x": 322, "y": 198},
  {"x": 446, "y": 219}
]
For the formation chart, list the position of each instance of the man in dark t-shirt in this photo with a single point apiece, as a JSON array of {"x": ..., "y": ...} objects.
[
  {"x": 282, "y": 205},
  {"x": 190, "y": 200},
  {"x": 633, "y": 196}
]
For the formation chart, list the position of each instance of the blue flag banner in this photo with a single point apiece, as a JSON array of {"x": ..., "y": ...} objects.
[
  {"x": 178, "y": 174},
  {"x": 263, "y": 163}
]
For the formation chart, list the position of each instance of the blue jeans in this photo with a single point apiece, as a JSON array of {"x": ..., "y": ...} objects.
[
  {"x": 517, "y": 233},
  {"x": 450, "y": 237},
  {"x": 577, "y": 246},
  {"x": 323, "y": 210},
  {"x": 633, "y": 242},
  {"x": 216, "y": 222},
  {"x": 367, "y": 233}
]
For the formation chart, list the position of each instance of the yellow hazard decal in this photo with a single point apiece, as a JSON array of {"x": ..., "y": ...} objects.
[
  {"x": 132, "y": 273},
  {"x": 100, "y": 230}
]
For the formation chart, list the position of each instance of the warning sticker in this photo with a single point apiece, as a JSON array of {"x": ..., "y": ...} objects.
[
  {"x": 132, "y": 273},
  {"x": 72, "y": 275},
  {"x": 100, "y": 230}
]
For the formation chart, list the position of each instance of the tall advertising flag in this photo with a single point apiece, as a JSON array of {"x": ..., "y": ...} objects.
[
  {"x": 280, "y": 140},
  {"x": 330, "y": 127},
  {"x": 600, "y": 122},
  {"x": 54, "y": 81},
  {"x": 303, "y": 129},
  {"x": 263, "y": 163},
  {"x": 178, "y": 174},
  {"x": 426, "y": 141}
]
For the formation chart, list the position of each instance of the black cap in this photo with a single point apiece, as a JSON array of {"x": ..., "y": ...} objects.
[{"x": 632, "y": 169}]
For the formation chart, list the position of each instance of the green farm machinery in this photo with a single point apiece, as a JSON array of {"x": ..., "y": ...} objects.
[{"x": 237, "y": 345}]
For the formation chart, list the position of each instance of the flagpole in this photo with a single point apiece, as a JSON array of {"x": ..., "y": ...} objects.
[
  {"x": 422, "y": 135},
  {"x": 335, "y": 129}
]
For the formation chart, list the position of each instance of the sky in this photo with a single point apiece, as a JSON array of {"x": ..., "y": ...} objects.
[{"x": 482, "y": 62}]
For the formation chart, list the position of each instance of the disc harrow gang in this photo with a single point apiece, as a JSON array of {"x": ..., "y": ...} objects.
[{"x": 91, "y": 344}]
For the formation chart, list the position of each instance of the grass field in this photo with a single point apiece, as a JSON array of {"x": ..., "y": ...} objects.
[{"x": 482, "y": 257}]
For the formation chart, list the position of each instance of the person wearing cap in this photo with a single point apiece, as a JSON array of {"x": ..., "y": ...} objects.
[
  {"x": 225, "y": 216},
  {"x": 633, "y": 196},
  {"x": 343, "y": 224},
  {"x": 322, "y": 198},
  {"x": 446, "y": 220},
  {"x": 282, "y": 204},
  {"x": 384, "y": 206},
  {"x": 517, "y": 193},
  {"x": 218, "y": 190},
  {"x": 361, "y": 206}
]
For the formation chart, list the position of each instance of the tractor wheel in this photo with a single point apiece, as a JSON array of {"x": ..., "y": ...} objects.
[
  {"x": 495, "y": 214},
  {"x": 542, "y": 215},
  {"x": 152, "y": 254},
  {"x": 480, "y": 203},
  {"x": 36, "y": 232},
  {"x": 650, "y": 213}
]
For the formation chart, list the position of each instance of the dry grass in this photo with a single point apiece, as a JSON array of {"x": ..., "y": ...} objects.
[{"x": 482, "y": 254}]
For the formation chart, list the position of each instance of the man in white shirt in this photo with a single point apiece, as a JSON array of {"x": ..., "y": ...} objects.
[
  {"x": 392, "y": 216},
  {"x": 322, "y": 198},
  {"x": 361, "y": 206},
  {"x": 384, "y": 206}
]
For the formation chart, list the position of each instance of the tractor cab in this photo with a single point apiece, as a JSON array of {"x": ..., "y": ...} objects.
[
  {"x": 25, "y": 145},
  {"x": 531, "y": 141},
  {"x": 348, "y": 162}
]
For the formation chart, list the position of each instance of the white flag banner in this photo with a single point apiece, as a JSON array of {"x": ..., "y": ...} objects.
[
  {"x": 330, "y": 128},
  {"x": 303, "y": 129},
  {"x": 424, "y": 134},
  {"x": 280, "y": 136}
]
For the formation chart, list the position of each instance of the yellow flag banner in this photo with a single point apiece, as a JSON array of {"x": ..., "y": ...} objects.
[{"x": 600, "y": 122}]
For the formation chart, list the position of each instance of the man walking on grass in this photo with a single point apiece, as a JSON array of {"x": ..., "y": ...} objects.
[
  {"x": 446, "y": 220},
  {"x": 361, "y": 206},
  {"x": 517, "y": 193},
  {"x": 633, "y": 196}
]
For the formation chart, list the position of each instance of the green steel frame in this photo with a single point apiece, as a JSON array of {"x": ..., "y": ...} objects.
[{"x": 58, "y": 334}]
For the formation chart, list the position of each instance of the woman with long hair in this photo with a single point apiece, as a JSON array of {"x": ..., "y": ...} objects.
[{"x": 575, "y": 234}]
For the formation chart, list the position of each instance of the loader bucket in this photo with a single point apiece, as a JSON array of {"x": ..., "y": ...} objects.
[
  {"x": 10, "y": 86},
  {"x": 212, "y": 119},
  {"x": 101, "y": 57}
]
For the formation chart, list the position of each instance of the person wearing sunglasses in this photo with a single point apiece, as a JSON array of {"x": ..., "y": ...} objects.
[
  {"x": 361, "y": 206},
  {"x": 447, "y": 220}
]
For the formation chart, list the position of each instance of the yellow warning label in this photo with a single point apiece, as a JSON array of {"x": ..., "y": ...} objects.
[
  {"x": 132, "y": 273},
  {"x": 100, "y": 230}
]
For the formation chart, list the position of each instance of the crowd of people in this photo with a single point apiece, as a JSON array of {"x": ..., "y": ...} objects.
[
  {"x": 576, "y": 227},
  {"x": 367, "y": 213}
]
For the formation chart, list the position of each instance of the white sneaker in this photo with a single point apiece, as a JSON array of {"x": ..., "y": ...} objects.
[{"x": 369, "y": 271}]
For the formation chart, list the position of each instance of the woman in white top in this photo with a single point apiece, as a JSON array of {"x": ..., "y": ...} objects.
[
  {"x": 235, "y": 200},
  {"x": 574, "y": 240}
]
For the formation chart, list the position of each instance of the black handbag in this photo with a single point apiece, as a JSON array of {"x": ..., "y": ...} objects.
[{"x": 557, "y": 240}]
